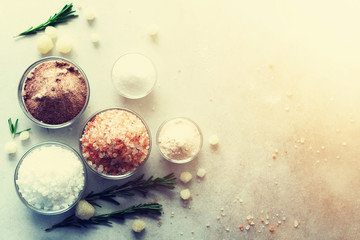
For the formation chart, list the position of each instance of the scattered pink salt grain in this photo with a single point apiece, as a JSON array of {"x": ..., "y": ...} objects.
[{"x": 115, "y": 142}]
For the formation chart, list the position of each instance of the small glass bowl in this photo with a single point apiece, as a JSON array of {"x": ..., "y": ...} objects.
[
  {"x": 42, "y": 211},
  {"x": 174, "y": 160},
  {"x": 127, "y": 174},
  {"x": 120, "y": 61},
  {"x": 22, "y": 85}
]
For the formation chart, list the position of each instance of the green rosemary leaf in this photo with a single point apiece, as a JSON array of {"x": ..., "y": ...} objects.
[{"x": 63, "y": 16}]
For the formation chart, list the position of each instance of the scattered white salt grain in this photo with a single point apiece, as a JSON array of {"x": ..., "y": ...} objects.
[
  {"x": 185, "y": 177},
  {"x": 94, "y": 37},
  {"x": 24, "y": 136},
  {"x": 302, "y": 140},
  {"x": 247, "y": 227},
  {"x": 201, "y": 172},
  {"x": 90, "y": 14},
  {"x": 296, "y": 223},
  {"x": 213, "y": 140},
  {"x": 153, "y": 30},
  {"x": 10, "y": 147},
  {"x": 138, "y": 225},
  {"x": 185, "y": 194},
  {"x": 84, "y": 210},
  {"x": 286, "y": 109},
  {"x": 44, "y": 44},
  {"x": 64, "y": 44},
  {"x": 51, "y": 32}
]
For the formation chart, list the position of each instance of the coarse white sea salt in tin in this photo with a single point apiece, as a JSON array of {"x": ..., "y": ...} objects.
[{"x": 50, "y": 178}]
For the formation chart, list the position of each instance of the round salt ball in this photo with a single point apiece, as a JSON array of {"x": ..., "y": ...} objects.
[
  {"x": 185, "y": 177},
  {"x": 44, "y": 44},
  {"x": 10, "y": 147},
  {"x": 24, "y": 136},
  {"x": 201, "y": 173},
  {"x": 153, "y": 30},
  {"x": 213, "y": 140},
  {"x": 138, "y": 225},
  {"x": 90, "y": 14},
  {"x": 84, "y": 210},
  {"x": 185, "y": 194},
  {"x": 51, "y": 32},
  {"x": 64, "y": 45},
  {"x": 94, "y": 37}
]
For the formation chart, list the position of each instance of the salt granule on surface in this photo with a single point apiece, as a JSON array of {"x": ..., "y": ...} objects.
[{"x": 50, "y": 178}]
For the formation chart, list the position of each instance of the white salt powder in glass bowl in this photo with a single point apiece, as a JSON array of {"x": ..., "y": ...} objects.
[
  {"x": 50, "y": 178},
  {"x": 133, "y": 75},
  {"x": 179, "y": 140}
]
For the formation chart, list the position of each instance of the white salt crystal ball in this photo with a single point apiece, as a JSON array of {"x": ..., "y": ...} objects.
[
  {"x": 24, "y": 135},
  {"x": 185, "y": 177},
  {"x": 10, "y": 147},
  {"x": 213, "y": 140},
  {"x": 201, "y": 172},
  {"x": 138, "y": 225},
  {"x": 153, "y": 30},
  {"x": 185, "y": 194},
  {"x": 90, "y": 14},
  {"x": 84, "y": 210},
  {"x": 94, "y": 37},
  {"x": 44, "y": 44},
  {"x": 51, "y": 32},
  {"x": 64, "y": 45}
]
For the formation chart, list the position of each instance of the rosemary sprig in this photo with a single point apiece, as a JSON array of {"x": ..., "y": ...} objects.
[
  {"x": 138, "y": 185},
  {"x": 13, "y": 127},
  {"x": 63, "y": 16},
  {"x": 141, "y": 209}
]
